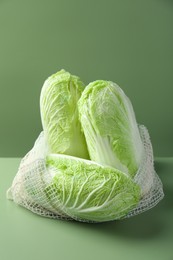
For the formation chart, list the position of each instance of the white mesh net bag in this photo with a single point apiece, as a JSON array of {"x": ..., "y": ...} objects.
[
  {"x": 147, "y": 178},
  {"x": 32, "y": 179}
]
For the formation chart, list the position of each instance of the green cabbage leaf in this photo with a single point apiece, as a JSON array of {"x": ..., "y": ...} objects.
[
  {"x": 59, "y": 114},
  {"x": 110, "y": 127},
  {"x": 86, "y": 190}
]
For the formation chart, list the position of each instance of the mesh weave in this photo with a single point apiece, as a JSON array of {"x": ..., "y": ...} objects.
[{"x": 32, "y": 179}]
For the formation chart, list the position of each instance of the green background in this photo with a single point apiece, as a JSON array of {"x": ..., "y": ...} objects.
[{"x": 126, "y": 41}]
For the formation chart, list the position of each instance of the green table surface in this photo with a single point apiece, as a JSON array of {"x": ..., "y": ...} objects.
[{"x": 24, "y": 235}]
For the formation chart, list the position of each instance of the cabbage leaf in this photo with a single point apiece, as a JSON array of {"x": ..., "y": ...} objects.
[
  {"x": 110, "y": 127},
  {"x": 59, "y": 114},
  {"x": 89, "y": 191}
]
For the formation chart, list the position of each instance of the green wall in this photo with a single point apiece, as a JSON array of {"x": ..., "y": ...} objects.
[{"x": 126, "y": 41}]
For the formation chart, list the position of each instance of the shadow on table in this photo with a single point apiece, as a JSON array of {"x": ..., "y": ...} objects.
[{"x": 144, "y": 226}]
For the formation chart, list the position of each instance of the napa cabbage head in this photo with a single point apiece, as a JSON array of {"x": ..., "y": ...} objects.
[
  {"x": 88, "y": 191},
  {"x": 110, "y": 127},
  {"x": 59, "y": 114}
]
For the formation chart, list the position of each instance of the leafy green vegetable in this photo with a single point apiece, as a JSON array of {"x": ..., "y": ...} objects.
[
  {"x": 59, "y": 114},
  {"x": 83, "y": 164},
  {"x": 110, "y": 127},
  {"x": 89, "y": 191}
]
